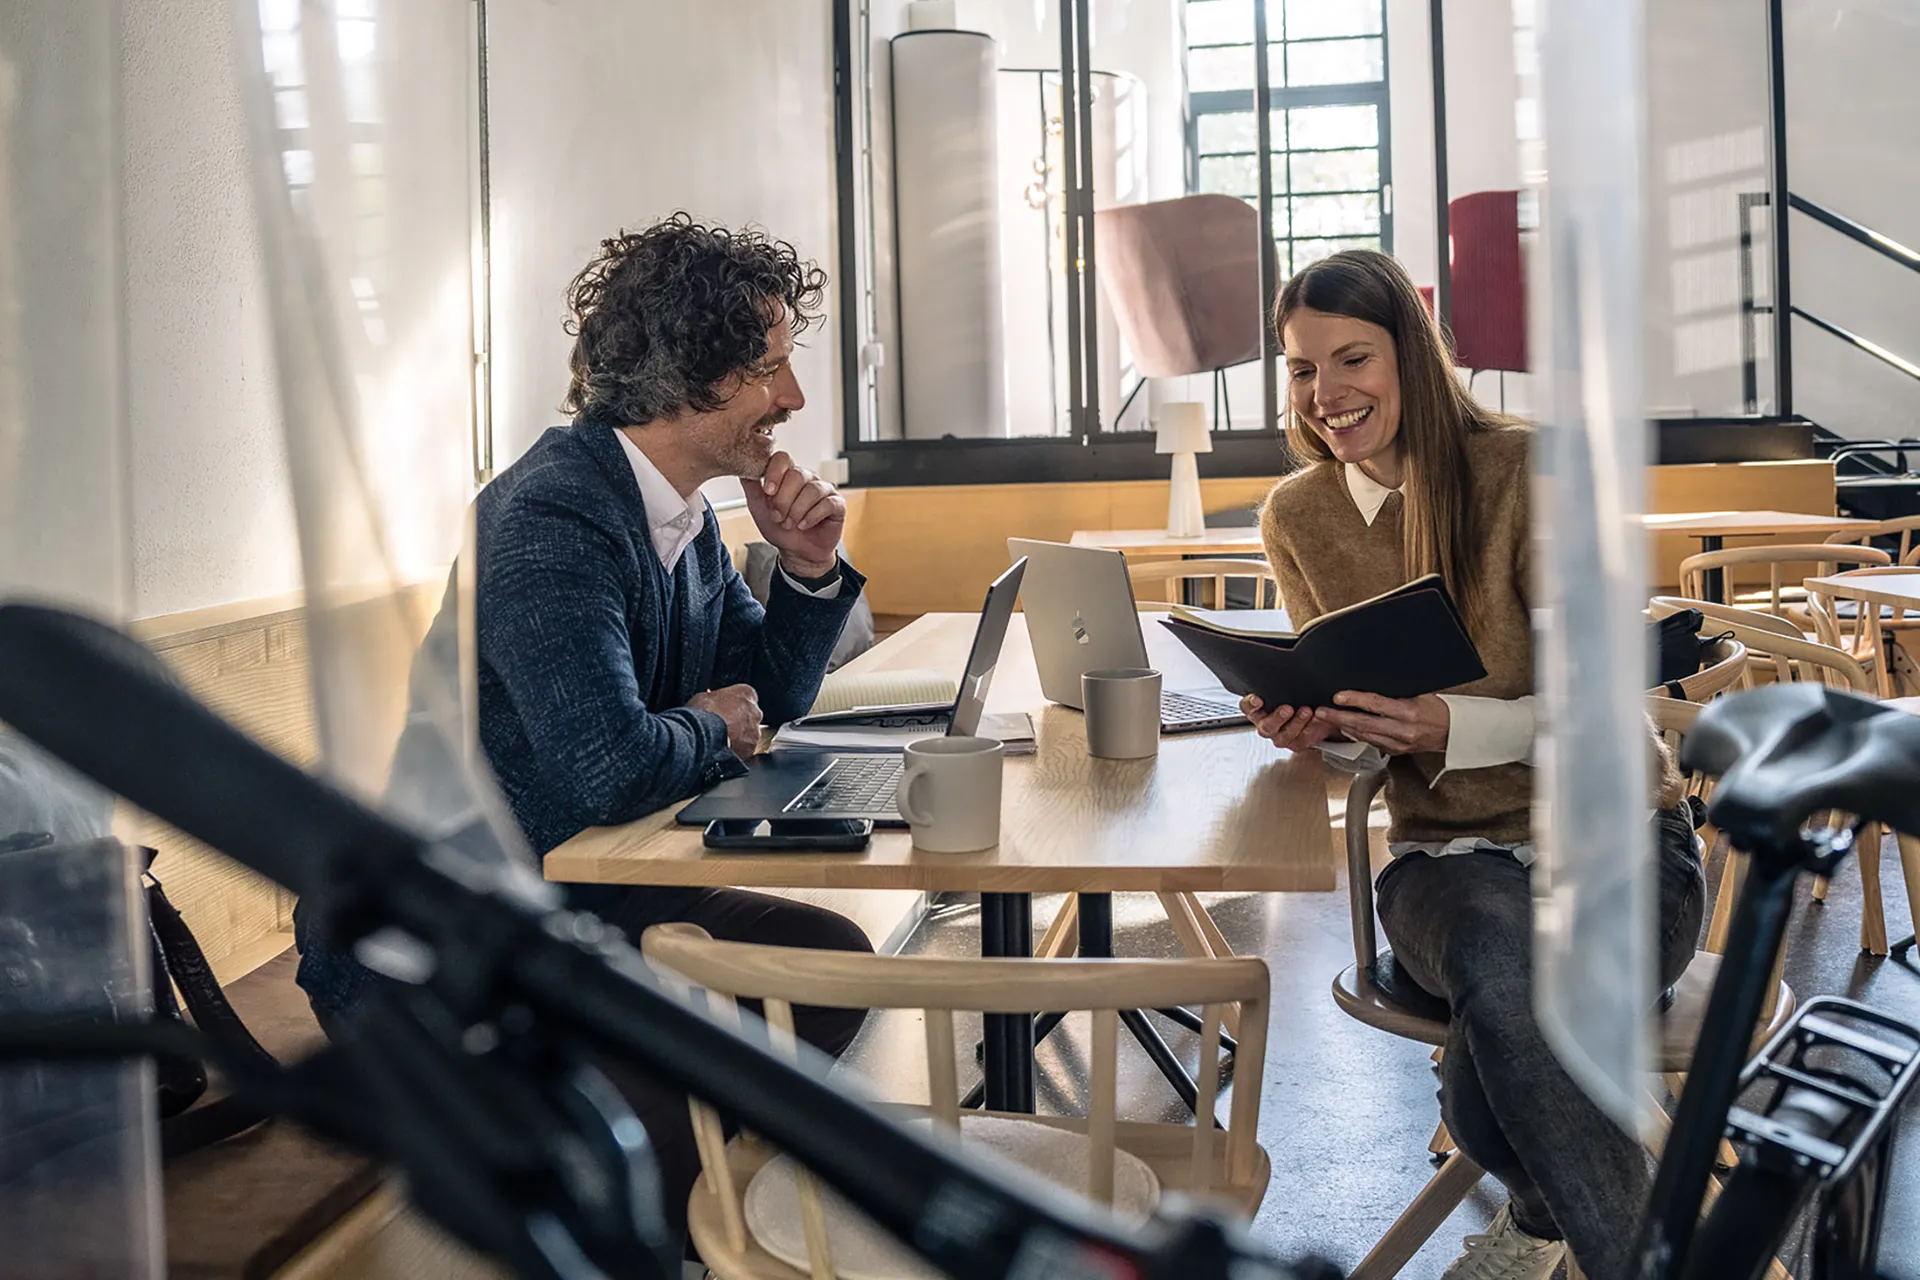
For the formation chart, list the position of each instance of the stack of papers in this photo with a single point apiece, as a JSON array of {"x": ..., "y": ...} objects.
[{"x": 1013, "y": 729}]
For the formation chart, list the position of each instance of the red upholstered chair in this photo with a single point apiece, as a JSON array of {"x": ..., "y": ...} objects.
[{"x": 1489, "y": 290}]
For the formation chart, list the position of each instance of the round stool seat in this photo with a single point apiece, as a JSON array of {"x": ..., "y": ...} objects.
[{"x": 1389, "y": 1000}]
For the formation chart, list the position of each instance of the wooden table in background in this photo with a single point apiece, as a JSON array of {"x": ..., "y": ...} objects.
[
  {"x": 1149, "y": 544},
  {"x": 1213, "y": 811},
  {"x": 1713, "y": 528}
]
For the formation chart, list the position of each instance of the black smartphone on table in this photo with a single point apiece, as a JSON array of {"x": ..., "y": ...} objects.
[{"x": 819, "y": 835}]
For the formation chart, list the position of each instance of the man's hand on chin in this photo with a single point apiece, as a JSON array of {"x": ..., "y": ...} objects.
[{"x": 800, "y": 514}]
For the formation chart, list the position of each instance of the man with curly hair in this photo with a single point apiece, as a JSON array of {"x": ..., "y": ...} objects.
[{"x": 623, "y": 663}]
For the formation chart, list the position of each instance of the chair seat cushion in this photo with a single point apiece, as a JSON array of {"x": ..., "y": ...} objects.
[
  {"x": 1398, "y": 986},
  {"x": 863, "y": 1251}
]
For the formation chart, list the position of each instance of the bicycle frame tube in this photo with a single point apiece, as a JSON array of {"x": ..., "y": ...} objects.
[{"x": 1746, "y": 971}]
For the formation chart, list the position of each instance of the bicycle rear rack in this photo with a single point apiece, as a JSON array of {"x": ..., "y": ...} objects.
[{"x": 1791, "y": 1061}]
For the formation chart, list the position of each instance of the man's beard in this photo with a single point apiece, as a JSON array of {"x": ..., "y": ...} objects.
[{"x": 751, "y": 461}]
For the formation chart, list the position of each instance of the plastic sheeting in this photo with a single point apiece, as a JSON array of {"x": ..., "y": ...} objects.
[
  {"x": 1594, "y": 883},
  {"x": 77, "y": 1144},
  {"x": 357, "y": 114}
]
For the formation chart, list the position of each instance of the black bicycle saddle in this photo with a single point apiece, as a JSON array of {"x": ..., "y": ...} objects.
[{"x": 1788, "y": 751}]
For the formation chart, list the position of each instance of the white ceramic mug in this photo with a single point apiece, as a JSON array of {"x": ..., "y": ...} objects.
[{"x": 950, "y": 794}]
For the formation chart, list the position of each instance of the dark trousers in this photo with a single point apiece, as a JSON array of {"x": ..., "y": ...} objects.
[
  {"x": 1462, "y": 927},
  {"x": 731, "y": 915}
]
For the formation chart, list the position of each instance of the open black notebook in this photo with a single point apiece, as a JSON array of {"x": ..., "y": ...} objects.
[{"x": 1402, "y": 644}]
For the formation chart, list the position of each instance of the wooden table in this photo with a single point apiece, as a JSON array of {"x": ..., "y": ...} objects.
[
  {"x": 1213, "y": 811},
  {"x": 1714, "y": 527},
  {"x": 1899, "y": 592},
  {"x": 1148, "y": 544}
]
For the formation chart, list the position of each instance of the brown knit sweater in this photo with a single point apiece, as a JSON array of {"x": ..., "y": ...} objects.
[{"x": 1327, "y": 557}]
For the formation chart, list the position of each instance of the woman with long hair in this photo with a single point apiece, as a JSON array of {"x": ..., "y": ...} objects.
[{"x": 1406, "y": 474}]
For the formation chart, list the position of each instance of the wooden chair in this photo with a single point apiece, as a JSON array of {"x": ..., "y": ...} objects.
[
  {"x": 1900, "y": 529},
  {"x": 1715, "y": 612},
  {"x": 1188, "y": 1160},
  {"x": 1785, "y": 659},
  {"x": 1723, "y": 666},
  {"x": 1374, "y": 991},
  {"x": 1782, "y": 592},
  {"x": 1166, "y": 577},
  {"x": 1870, "y": 635}
]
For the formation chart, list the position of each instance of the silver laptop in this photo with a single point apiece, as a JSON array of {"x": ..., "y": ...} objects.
[{"x": 1081, "y": 618}]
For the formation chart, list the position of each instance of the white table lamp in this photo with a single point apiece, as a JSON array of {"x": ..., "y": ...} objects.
[{"x": 1182, "y": 432}]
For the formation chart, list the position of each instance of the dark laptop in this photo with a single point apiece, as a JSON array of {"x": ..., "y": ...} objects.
[{"x": 810, "y": 783}]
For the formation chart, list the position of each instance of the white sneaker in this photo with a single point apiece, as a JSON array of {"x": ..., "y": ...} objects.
[{"x": 1506, "y": 1252}]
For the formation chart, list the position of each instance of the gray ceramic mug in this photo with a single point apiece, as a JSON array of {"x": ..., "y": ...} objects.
[{"x": 1123, "y": 712}]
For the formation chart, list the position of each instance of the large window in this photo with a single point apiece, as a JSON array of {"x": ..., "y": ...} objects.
[
  {"x": 1327, "y": 99},
  {"x": 982, "y": 177}
]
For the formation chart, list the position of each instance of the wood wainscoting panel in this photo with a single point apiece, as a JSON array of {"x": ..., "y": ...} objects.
[
  {"x": 934, "y": 548},
  {"x": 1804, "y": 485},
  {"x": 249, "y": 661}
]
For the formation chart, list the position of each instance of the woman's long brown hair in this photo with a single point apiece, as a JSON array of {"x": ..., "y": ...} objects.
[{"x": 1436, "y": 413}]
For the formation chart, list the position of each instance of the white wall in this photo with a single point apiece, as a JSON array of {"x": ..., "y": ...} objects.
[
  {"x": 613, "y": 113},
  {"x": 1853, "y": 102},
  {"x": 212, "y": 516},
  {"x": 212, "y": 513}
]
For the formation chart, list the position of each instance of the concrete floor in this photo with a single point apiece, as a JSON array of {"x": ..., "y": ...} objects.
[{"x": 1347, "y": 1111}]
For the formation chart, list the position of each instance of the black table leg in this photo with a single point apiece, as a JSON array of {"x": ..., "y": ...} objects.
[
  {"x": 1713, "y": 585},
  {"x": 1193, "y": 1022},
  {"x": 1096, "y": 942},
  {"x": 1006, "y": 930}
]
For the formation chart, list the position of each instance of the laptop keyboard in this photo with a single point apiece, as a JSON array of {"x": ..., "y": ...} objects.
[
  {"x": 852, "y": 785},
  {"x": 1184, "y": 711}
]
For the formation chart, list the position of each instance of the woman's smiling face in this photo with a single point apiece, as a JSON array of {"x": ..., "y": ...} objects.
[{"x": 1343, "y": 381}]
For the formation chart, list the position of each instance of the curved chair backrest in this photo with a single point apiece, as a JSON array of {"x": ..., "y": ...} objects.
[
  {"x": 781, "y": 977},
  {"x": 1823, "y": 555},
  {"x": 1715, "y": 613},
  {"x": 1163, "y": 577},
  {"x": 1789, "y": 657},
  {"x": 1901, "y": 528},
  {"x": 1723, "y": 666}
]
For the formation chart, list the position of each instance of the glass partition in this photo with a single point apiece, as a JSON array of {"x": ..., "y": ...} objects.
[
  {"x": 1593, "y": 883},
  {"x": 358, "y": 127},
  {"x": 79, "y": 1156}
]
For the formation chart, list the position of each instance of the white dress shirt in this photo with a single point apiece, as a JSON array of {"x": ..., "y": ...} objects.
[
  {"x": 1481, "y": 732},
  {"x": 673, "y": 522}
]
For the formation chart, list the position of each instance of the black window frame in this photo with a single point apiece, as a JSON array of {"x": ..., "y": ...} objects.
[{"x": 1374, "y": 93}]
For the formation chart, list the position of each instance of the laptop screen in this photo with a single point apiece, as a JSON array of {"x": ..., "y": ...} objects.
[{"x": 985, "y": 656}]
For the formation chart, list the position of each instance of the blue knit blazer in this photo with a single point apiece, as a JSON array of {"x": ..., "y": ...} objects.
[{"x": 588, "y": 652}]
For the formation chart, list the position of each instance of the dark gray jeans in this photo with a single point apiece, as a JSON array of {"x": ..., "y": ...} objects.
[{"x": 1462, "y": 927}]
